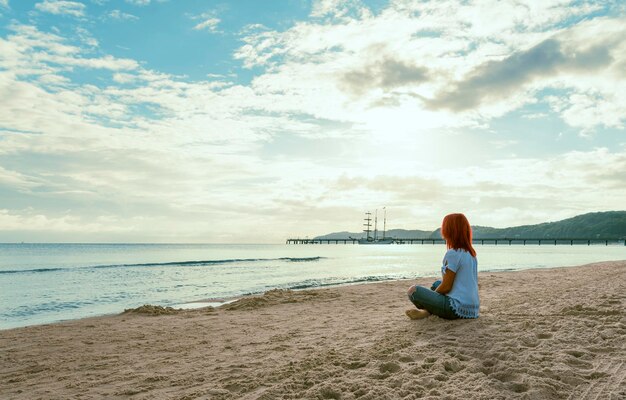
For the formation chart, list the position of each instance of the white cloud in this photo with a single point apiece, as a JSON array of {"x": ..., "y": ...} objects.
[
  {"x": 4, "y": 3},
  {"x": 121, "y": 16},
  {"x": 85, "y": 36},
  {"x": 55, "y": 80},
  {"x": 105, "y": 62},
  {"x": 60, "y": 7},
  {"x": 31, "y": 221},
  {"x": 138, "y": 2},
  {"x": 334, "y": 8},
  {"x": 17, "y": 180},
  {"x": 209, "y": 24},
  {"x": 124, "y": 78},
  {"x": 32, "y": 52},
  {"x": 208, "y": 21}
]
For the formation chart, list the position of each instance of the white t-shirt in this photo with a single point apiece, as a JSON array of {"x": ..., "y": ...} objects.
[{"x": 464, "y": 293}]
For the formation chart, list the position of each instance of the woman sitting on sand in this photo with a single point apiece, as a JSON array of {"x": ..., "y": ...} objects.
[{"x": 456, "y": 296}]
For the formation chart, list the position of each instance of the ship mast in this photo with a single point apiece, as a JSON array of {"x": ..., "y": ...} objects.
[
  {"x": 368, "y": 224},
  {"x": 385, "y": 224},
  {"x": 376, "y": 225}
]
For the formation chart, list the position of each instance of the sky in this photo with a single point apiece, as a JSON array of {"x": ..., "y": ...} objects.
[{"x": 253, "y": 121}]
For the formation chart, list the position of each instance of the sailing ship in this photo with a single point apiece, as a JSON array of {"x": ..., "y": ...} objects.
[{"x": 369, "y": 239}]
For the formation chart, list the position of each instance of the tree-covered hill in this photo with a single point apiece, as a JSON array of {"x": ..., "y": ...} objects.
[{"x": 601, "y": 225}]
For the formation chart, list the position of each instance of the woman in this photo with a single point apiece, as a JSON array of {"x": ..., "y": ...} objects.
[{"x": 456, "y": 295}]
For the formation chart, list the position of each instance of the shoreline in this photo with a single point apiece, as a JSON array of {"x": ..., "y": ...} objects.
[
  {"x": 543, "y": 333},
  {"x": 221, "y": 301}
]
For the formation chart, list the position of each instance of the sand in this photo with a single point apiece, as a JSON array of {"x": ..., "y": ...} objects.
[{"x": 542, "y": 334}]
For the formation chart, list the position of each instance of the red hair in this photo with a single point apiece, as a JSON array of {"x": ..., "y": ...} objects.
[{"x": 457, "y": 232}]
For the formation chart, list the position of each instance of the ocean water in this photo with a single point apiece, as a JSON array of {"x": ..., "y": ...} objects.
[{"x": 43, "y": 283}]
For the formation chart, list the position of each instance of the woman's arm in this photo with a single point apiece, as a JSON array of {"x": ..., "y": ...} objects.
[{"x": 446, "y": 284}]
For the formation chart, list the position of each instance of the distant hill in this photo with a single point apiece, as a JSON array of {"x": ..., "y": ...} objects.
[{"x": 600, "y": 225}]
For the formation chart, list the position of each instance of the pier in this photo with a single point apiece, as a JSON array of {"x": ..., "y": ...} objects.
[{"x": 482, "y": 241}]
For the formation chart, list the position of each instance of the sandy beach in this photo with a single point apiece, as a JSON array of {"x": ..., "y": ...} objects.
[{"x": 543, "y": 334}]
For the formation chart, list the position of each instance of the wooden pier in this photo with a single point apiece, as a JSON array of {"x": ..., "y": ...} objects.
[{"x": 493, "y": 241}]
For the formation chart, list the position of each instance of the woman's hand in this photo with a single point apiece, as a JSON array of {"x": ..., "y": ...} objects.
[{"x": 446, "y": 284}]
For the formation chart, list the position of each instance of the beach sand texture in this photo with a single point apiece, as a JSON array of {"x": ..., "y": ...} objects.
[{"x": 543, "y": 334}]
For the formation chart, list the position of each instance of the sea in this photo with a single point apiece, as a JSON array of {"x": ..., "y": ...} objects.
[{"x": 46, "y": 283}]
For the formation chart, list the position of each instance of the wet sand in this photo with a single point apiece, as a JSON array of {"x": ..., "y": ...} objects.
[{"x": 543, "y": 334}]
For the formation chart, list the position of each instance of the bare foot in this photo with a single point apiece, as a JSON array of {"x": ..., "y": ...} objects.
[{"x": 416, "y": 313}]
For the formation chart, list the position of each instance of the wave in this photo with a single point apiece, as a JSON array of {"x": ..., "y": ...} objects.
[
  {"x": 36, "y": 270},
  {"x": 320, "y": 283},
  {"x": 301, "y": 259},
  {"x": 50, "y": 307},
  {"x": 199, "y": 263}
]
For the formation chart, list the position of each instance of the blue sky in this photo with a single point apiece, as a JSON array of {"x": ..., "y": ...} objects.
[{"x": 202, "y": 121}]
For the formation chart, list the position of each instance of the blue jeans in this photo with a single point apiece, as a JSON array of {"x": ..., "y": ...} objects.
[{"x": 432, "y": 301}]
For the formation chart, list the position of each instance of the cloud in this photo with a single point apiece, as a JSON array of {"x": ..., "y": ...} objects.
[
  {"x": 32, "y": 52},
  {"x": 590, "y": 109},
  {"x": 17, "y": 180},
  {"x": 499, "y": 79},
  {"x": 208, "y": 21},
  {"x": 60, "y": 7},
  {"x": 138, "y": 2},
  {"x": 386, "y": 74},
  {"x": 33, "y": 222},
  {"x": 124, "y": 78},
  {"x": 142, "y": 3},
  {"x": 121, "y": 16},
  {"x": 85, "y": 36},
  {"x": 209, "y": 24},
  {"x": 334, "y": 8},
  {"x": 324, "y": 7},
  {"x": 106, "y": 62},
  {"x": 4, "y": 3}
]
